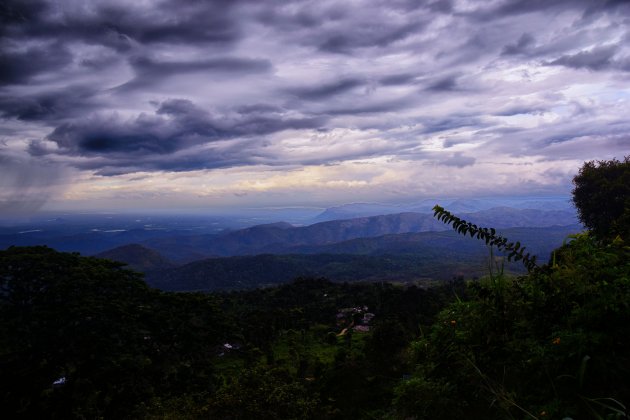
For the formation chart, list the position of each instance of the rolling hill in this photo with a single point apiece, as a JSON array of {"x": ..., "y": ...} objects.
[
  {"x": 279, "y": 238},
  {"x": 137, "y": 257},
  {"x": 399, "y": 257}
]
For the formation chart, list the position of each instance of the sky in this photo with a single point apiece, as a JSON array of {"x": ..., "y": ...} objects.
[{"x": 220, "y": 104}]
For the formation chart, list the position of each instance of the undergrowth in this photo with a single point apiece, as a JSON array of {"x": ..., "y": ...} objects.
[{"x": 552, "y": 344}]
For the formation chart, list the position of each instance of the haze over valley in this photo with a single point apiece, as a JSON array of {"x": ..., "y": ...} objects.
[{"x": 197, "y": 252}]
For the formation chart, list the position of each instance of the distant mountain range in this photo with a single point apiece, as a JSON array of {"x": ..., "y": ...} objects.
[
  {"x": 541, "y": 241},
  {"x": 186, "y": 239},
  {"x": 281, "y": 237},
  {"x": 403, "y": 246},
  {"x": 396, "y": 257},
  {"x": 465, "y": 205}
]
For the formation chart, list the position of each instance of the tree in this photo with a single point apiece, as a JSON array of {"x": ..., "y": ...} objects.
[{"x": 602, "y": 197}]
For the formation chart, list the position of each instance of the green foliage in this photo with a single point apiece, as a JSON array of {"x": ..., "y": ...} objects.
[
  {"x": 554, "y": 344},
  {"x": 421, "y": 398},
  {"x": 514, "y": 250},
  {"x": 602, "y": 197},
  {"x": 127, "y": 351},
  {"x": 248, "y": 272},
  {"x": 263, "y": 393},
  {"x": 115, "y": 342}
]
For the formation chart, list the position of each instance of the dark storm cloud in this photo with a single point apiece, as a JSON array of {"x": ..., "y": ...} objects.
[
  {"x": 21, "y": 11},
  {"x": 181, "y": 22},
  {"x": 512, "y": 8},
  {"x": 520, "y": 46},
  {"x": 340, "y": 28},
  {"x": 239, "y": 153},
  {"x": 516, "y": 7},
  {"x": 146, "y": 67},
  {"x": 18, "y": 67},
  {"x": 450, "y": 123},
  {"x": 442, "y": 6},
  {"x": 114, "y": 25},
  {"x": 600, "y": 58},
  {"x": 374, "y": 108},
  {"x": 346, "y": 41},
  {"x": 189, "y": 117},
  {"x": 316, "y": 93},
  {"x": 520, "y": 7},
  {"x": 446, "y": 84},
  {"x": 111, "y": 136},
  {"x": 398, "y": 79},
  {"x": 177, "y": 126},
  {"x": 49, "y": 106},
  {"x": 143, "y": 135},
  {"x": 149, "y": 71}
]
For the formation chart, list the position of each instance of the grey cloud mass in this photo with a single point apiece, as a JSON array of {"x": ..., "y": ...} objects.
[
  {"x": 51, "y": 105},
  {"x": 110, "y": 88},
  {"x": 324, "y": 91},
  {"x": 19, "y": 66},
  {"x": 150, "y": 72},
  {"x": 458, "y": 160},
  {"x": 176, "y": 124},
  {"x": 596, "y": 59},
  {"x": 521, "y": 46}
]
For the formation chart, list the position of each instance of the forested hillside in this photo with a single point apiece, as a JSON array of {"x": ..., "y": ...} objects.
[
  {"x": 416, "y": 257},
  {"x": 85, "y": 338},
  {"x": 281, "y": 238}
]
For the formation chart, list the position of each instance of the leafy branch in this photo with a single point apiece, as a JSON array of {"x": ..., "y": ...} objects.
[{"x": 489, "y": 235}]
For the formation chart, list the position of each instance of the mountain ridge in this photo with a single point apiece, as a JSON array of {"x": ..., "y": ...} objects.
[
  {"x": 270, "y": 237},
  {"x": 405, "y": 257},
  {"x": 137, "y": 257}
]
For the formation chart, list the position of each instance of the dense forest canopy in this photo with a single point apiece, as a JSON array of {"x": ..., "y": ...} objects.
[{"x": 86, "y": 338}]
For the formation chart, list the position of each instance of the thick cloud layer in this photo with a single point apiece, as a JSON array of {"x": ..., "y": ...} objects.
[{"x": 234, "y": 91}]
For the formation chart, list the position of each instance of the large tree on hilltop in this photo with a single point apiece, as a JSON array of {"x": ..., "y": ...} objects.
[{"x": 602, "y": 197}]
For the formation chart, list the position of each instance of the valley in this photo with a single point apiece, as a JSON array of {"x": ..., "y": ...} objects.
[{"x": 198, "y": 253}]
